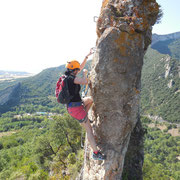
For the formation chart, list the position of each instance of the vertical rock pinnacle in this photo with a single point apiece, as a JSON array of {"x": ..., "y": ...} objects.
[{"x": 124, "y": 33}]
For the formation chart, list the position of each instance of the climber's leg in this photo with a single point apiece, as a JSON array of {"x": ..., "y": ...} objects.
[
  {"x": 87, "y": 101},
  {"x": 97, "y": 155},
  {"x": 90, "y": 135}
]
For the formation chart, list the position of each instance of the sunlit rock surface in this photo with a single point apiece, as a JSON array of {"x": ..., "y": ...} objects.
[{"x": 124, "y": 33}]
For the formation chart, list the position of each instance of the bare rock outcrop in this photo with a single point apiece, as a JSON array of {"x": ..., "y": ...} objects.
[
  {"x": 167, "y": 66},
  {"x": 124, "y": 33},
  {"x": 170, "y": 84}
]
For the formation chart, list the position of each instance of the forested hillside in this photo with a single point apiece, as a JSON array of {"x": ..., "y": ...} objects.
[
  {"x": 33, "y": 91},
  {"x": 36, "y": 93},
  {"x": 160, "y": 86}
]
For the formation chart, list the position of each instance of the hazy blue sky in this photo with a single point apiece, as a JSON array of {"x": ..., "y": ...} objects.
[
  {"x": 38, "y": 34},
  {"x": 171, "y": 19}
]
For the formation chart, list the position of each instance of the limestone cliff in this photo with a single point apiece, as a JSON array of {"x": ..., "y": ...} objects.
[{"x": 124, "y": 33}]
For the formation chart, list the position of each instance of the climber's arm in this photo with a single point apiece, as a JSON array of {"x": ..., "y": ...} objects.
[
  {"x": 83, "y": 64},
  {"x": 85, "y": 59},
  {"x": 81, "y": 81}
]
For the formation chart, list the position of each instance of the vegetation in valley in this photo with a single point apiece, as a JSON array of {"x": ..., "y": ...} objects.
[{"x": 162, "y": 150}]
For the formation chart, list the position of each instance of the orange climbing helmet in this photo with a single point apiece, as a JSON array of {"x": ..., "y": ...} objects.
[{"x": 73, "y": 64}]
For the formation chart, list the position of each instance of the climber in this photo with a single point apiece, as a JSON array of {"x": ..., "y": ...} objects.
[{"x": 79, "y": 107}]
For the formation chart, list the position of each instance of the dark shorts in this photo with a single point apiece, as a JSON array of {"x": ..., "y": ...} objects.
[{"x": 77, "y": 111}]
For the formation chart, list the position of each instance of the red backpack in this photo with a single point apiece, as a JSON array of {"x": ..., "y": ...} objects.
[{"x": 62, "y": 91}]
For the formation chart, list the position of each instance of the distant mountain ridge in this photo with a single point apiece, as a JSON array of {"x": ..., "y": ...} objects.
[
  {"x": 167, "y": 44},
  {"x": 2, "y": 72},
  {"x": 172, "y": 36},
  {"x": 11, "y": 75}
]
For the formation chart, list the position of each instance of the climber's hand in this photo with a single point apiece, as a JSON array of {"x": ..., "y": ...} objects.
[
  {"x": 92, "y": 50},
  {"x": 85, "y": 71}
]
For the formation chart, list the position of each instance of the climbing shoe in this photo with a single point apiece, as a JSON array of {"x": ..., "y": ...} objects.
[{"x": 99, "y": 156}]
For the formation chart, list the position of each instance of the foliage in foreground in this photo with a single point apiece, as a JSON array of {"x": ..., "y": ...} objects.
[{"x": 54, "y": 149}]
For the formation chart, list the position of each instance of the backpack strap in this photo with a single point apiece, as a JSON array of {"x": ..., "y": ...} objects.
[
  {"x": 65, "y": 80},
  {"x": 77, "y": 87}
]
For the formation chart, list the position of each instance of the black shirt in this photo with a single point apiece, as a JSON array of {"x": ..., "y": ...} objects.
[{"x": 74, "y": 89}]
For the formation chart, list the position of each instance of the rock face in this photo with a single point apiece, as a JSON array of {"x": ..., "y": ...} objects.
[
  {"x": 124, "y": 33},
  {"x": 135, "y": 155}
]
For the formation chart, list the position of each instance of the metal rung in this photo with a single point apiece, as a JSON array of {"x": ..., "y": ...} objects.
[{"x": 95, "y": 18}]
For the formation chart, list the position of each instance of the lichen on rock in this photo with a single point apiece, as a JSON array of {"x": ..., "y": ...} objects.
[{"x": 124, "y": 33}]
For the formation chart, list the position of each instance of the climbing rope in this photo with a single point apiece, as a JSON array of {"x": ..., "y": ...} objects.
[
  {"x": 85, "y": 89},
  {"x": 82, "y": 145},
  {"x": 84, "y": 93}
]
